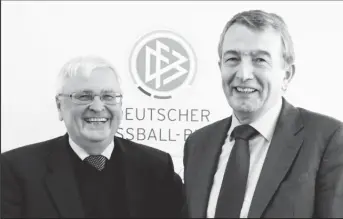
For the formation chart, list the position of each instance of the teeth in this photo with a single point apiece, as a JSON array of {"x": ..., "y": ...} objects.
[
  {"x": 245, "y": 90},
  {"x": 96, "y": 119}
]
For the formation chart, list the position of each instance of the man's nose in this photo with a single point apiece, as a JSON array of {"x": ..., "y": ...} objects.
[
  {"x": 245, "y": 71},
  {"x": 97, "y": 104}
]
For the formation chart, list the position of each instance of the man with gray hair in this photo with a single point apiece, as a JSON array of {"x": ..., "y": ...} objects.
[
  {"x": 269, "y": 158},
  {"x": 89, "y": 172}
]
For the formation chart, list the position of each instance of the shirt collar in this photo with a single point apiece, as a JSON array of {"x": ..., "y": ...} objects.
[
  {"x": 265, "y": 124},
  {"x": 82, "y": 154}
]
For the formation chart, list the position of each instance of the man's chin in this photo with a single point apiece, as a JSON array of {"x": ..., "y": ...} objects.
[
  {"x": 244, "y": 106},
  {"x": 97, "y": 137},
  {"x": 96, "y": 140}
]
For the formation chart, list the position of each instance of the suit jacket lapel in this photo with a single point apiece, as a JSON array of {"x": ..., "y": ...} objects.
[
  {"x": 285, "y": 144},
  {"x": 61, "y": 181},
  {"x": 207, "y": 155}
]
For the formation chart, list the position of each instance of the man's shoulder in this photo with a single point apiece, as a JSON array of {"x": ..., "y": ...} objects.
[
  {"x": 213, "y": 127},
  {"x": 33, "y": 151},
  {"x": 318, "y": 121},
  {"x": 144, "y": 152}
]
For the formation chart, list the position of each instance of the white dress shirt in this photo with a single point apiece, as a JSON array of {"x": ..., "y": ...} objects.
[
  {"x": 259, "y": 145},
  {"x": 82, "y": 154}
]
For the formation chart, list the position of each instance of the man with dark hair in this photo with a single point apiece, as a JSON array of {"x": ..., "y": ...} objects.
[{"x": 269, "y": 159}]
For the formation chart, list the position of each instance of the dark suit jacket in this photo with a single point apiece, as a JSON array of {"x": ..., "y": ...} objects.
[
  {"x": 302, "y": 175},
  {"x": 38, "y": 181}
]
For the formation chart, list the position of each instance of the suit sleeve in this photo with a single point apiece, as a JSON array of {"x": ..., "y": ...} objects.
[
  {"x": 185, "y": 212},
  {"x": 329, "y": 188},
  {"x": 172, "y": 192},
  {"x": 187, "y": 152},
  {"x": 185, "y": 156},
  {"x": 11, "y": 196}
]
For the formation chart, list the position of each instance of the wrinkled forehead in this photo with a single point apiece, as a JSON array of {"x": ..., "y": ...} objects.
[
  {"x": 245, "y": 40},
  {"x": 95, "y": 80}
]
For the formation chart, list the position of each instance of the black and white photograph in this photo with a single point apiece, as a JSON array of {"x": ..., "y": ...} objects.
[{"x": 171, "y": 109}]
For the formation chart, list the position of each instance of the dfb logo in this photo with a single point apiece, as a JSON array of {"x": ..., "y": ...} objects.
[{"x": 161, "y": 63}]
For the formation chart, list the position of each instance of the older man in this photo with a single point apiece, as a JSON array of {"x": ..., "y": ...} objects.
[
  {"x": 269, "y": 159},
  {"x": 89, "y": 172}
]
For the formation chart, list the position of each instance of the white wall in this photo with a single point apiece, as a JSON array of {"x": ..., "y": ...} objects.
[{"x": 38, "y": 38}]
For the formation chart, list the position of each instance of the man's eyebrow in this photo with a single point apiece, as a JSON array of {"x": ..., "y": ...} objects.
[
  {"x": 260, "y": 52},
  {"x": 251, "y": 53},
  {"x": 107, "y": 90},
  {"x": 102, "y": 91},
  {"x": 85, "y": 91},
  {"x": 231, "y": 52}
]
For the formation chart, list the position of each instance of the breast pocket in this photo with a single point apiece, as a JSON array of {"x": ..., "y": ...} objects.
[{"x": 296, "y": 181}]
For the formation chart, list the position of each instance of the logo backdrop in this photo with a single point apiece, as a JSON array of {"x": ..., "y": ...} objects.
[{"x": 166, "y": 55}]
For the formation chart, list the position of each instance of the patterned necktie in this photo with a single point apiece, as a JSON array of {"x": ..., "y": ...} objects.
[
  {"x": 231, "y": 196},
  {"x": 97, "y": 161}
]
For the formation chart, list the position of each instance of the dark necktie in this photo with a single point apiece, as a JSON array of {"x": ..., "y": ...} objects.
[
  {"x": 232, "y": 191},
  {"x": 97, "y": 161}
]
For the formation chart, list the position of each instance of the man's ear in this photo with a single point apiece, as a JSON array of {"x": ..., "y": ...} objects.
[
  {"x": 58, "y": 104},
  {"x": 289, "y": 74}
]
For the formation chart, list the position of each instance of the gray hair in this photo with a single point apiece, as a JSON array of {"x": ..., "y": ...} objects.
[
  {"x": 82, "y": 65},
  {"x": 260, "y": 20}
]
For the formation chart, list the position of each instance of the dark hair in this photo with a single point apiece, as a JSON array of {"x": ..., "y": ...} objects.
[{"x": 260, "y": 20}]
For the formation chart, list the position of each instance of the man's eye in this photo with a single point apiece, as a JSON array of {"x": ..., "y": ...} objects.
[
  {"x": 108, "y": 97},
  {"x": 84, "y": 97},
  {"x": 260, "y": 60},
  {"x": 232, "y": 59}
]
